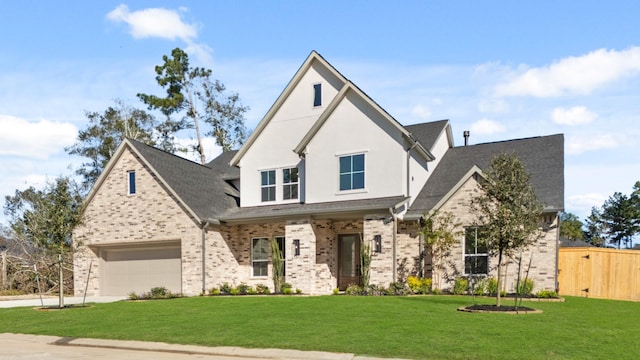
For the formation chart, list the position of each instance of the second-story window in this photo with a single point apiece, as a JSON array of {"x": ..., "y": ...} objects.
[
  {"x": 132, "y": 182},
  {"x": 317, "y": 95},
  {"x": 290, "y": 183},
  {"x": 268, "y": 186},
  {"x": 352, "y": 172}
]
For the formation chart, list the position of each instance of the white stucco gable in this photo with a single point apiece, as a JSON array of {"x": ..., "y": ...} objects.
[
  {"x": 355, "y": 126},
  {"x": 268, "y": 151}
]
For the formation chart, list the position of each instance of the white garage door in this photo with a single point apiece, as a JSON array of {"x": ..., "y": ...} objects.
[{"x": 127, "y": 270}]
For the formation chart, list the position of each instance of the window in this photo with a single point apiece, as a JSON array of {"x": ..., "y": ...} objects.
[
  {"x": 290, "y": 183},
  {"x": 132, "y": 182},
  {"x": 280, "y": 241},
  {"x": 352, "y": 172},
  {"x": 476, "y": 257},
  {"x": 269, "y": 185},
  {"x": 260, "y": 250},
  {"x": 260, "y": 256},
  {"x": 317, "y": 95}
]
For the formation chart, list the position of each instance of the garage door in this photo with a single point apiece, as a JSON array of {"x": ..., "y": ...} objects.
[{"x": 127, "y": 270}]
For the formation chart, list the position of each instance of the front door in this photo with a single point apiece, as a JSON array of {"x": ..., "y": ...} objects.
[{"x": 348, "y": 260}]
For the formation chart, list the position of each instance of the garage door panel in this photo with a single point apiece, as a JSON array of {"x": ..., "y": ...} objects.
[{"x": 139, "y": 270}]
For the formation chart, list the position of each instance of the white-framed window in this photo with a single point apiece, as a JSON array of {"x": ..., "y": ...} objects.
[
  {"x": 260, "y": 250},
  {"x": 260, "y": 256},
  {"x": 317, "y": 95},
  {"x": 268, "y": 185},
  {"x": 131, "y": 176},
  {"x": 290, "y": 183},
  {"x": 351, "y": 169},
  {"x": 476, "y": 254}
]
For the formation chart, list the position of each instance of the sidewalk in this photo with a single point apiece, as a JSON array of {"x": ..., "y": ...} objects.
[
  {"x": 34, "y": 300},
  {"x": 158, "y": 347}
]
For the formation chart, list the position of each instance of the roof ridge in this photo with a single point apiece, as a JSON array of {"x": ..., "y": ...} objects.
[
  {"x": 134, "y": 141},
  {"x": 509, "y": 140}
]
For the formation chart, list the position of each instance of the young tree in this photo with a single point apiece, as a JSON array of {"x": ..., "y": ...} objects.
[
  {"x": 438, "y": 231},
  {"x": 193, "y": 95},
  {"x": 571, "y": 227},
  {"x": 44, "y": 220},
  {"x": 507, "y": 209},
  {"x": 100, "y": 139}
]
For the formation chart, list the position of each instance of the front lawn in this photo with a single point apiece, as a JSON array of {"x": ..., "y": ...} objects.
[{"x": 407, "y": 327}]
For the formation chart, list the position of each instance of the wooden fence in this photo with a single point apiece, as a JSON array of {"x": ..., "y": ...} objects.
[{"x": 599, "y": 273}]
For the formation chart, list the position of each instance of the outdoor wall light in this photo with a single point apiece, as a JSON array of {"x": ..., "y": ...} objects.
[
  {"x": 296, "y": 247},
  {"x": 377, "y": 243}
]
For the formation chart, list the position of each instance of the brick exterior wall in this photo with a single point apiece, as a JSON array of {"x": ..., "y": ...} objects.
[
  {"x": 113, "y": 217},
  {"x": 543, "y": 268},
  {"x": 153, "y": 215}
]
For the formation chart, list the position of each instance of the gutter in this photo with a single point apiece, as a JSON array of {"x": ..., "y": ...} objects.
[{"x": 395, "y": 238}]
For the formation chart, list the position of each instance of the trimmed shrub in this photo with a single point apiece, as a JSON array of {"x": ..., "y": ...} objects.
[
  {"x": 525, "y": 287},
  {"x": 460, "y": 286},
  {"x": 262, "y": 289},
  {"x": 225, "y": 289},
  {"x": 492, "y": 286},
  {"x": 243, "y": 289},
  {"x": 546, "y": 294},
  {"x": 353, "y": 290},
  {"x": 214, "y": 291}
]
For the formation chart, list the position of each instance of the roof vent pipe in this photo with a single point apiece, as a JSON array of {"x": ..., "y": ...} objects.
[{"x": 466, "y": 137}]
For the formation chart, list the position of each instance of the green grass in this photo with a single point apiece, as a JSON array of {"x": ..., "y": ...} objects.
[{"x": 408, "y": 327}]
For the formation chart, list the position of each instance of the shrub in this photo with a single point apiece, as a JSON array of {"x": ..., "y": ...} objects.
[
  {"x": 492, "y": 286},
  {"x": 251, "y": 290},
  {"x": 243, "y": 289},
  {"x": 225, "y": 289},
  {"x": 436, "y": 291},
  {"x": 546, "y": 294},
  {"x": 336, "y": 291},
  {"x": 397, "y": 288},
  {"x": 286, "y": 285},
  {"x": 262, "y": 289},
  {"x": 480, "y": 287},
  {"x": 525, "y": 287},
  {"x": 287, "y": 291},
  {"x": 298, "y": 291},
  {"x": 133, "y": 296},
  {"x": 214, "y": 291},
  {"x": 460, "y": 286},
  {"x": 159, "y": 292},
  {"x": 234, "y": 291},
  {"x": 419, "y": 285},
  {"x": 353, "y": 290}
]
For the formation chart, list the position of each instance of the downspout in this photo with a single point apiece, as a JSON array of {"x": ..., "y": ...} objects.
[
  {"x": 395, "y": 230},
  {"x": 205, "y": 224},
  {"x": 557, "y": 253}
]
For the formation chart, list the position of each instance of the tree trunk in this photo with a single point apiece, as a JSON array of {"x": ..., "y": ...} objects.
[
  {"x": 499, "y": 277},
  {"x": 194, "y": 116},
  {"x": 3, "y": 273}
]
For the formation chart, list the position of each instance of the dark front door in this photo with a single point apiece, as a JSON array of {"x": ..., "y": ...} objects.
[{"x": 348, "y": 260}]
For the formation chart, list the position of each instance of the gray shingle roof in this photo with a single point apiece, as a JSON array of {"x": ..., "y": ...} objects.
[
  {"x": 273, "y": 211},
  {"x": 542, "y": 157},
  {"x": 201, "y": 188},
  {"x": 427, "y": 133}
]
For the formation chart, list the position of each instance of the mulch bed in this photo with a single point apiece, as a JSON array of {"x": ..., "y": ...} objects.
[{"x": 499, "y": 309}]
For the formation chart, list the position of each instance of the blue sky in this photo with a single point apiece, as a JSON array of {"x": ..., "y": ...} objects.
[{"x": 502, "y": 69}]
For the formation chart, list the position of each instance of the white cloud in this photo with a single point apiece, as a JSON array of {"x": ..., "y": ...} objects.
[
  {"x": 575, "y": 74},
  {"x": 211, "y": 149},
  {"x": 421, "y": 112},
  {"x": 577, "y": 115},
  {"x": 486, "y": 127},
  {"x": 154, "y": 22},
  {"x": 34, "y": 140},
  {"x": 579, "y": 145}
]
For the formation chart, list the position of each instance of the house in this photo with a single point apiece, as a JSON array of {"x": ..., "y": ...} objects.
[{"x": 326, "y": 167}]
